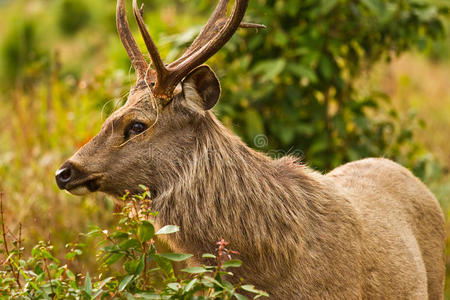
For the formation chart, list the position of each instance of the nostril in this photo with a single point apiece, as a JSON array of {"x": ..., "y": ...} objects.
[{"x": 65, "y": 174}]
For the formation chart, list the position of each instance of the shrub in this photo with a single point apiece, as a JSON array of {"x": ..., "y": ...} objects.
[
  {"x": 72, "y": 16},
  {"x": 142, "y": 273},
  {"x": 297, "y": 81},
  {"x": 21, "y": 55}
]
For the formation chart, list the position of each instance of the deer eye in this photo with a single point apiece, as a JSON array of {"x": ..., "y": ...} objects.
[{"x": 134, "y": 129}]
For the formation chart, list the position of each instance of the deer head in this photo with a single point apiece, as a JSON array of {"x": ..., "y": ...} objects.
[{"x": 152, "y": 133}]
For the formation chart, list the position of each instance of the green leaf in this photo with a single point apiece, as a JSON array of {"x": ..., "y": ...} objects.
[
  {"x": 141, "y": 265},
  {"x": 94, "y": 232},
  {"x": 119, "y": 235},
  {"x": 70, "y": 255},
  {"x": 148, "y": 296},
  {"x": 114, "y": 258},
  {"x": 132, "y": 266},
  {"x": 100, "y": 286},
  {"x": 125, "y": 281},
  {"x": 302, "y": 71},
  {"x": 164, "y": 264},
  {"x": 376, "y": 6},
  {"x": 143, "y": 187},
  {"x": 208, "y": 255},
  {"x": 168, "y": 229},
  {"x": 74, "y": 253},
  {"x": 269, "y": 69},
  {"x": 326, "y": 67},
  {"x": 130, "y": 243},
  {"x": 174, "y": 286},
  {"x": 70, "y": 275},
  {"x": 195, "y": 270},
  {"x": 175, "y": 256},
  {"x": 146, "y": 231},
  {"x": 240, "y": 297},
  {"x": 191, "y": 283},
  {"x": 234, "y": 263},
  {"x": 251, "y": 288},
  {"x": 326, "y": 6},
  {"x": 87, "y": 287}
]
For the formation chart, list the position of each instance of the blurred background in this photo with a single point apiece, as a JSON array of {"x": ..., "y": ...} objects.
[{"x": 333, "y": 80}]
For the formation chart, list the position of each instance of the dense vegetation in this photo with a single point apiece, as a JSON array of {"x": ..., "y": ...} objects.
[
  {"x": 145, "y": 273},
  {"x": 296, "y": 87}
]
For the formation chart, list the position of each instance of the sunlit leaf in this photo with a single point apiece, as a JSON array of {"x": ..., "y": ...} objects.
[
  {"x": 125, "y": 281},
  {"x": 175, "y": 256},
  {"x": 87, "y": 287},
  {"x": 168, "y": 229},
  {"x": 235, "y": 263},
  {"x": 195, "y": 270},
  {"x": 251, "y": 288}
]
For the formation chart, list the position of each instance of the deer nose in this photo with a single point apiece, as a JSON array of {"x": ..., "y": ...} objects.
[{"x": 64, "y": 175}]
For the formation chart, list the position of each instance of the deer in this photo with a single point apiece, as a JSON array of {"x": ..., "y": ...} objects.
[{"x": 368, "y": 229}]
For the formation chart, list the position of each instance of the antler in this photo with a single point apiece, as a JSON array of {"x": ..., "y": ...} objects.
[
  {"x": 215, "y": 23},
  {"x": 164, "y": 78},
  {"x": 137, "y": 58}
]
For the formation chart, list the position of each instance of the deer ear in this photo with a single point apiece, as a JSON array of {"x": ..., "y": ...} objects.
[{"x": 202, "y": 87}]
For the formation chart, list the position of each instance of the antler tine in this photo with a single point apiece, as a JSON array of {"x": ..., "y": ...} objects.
[
  {"x": 211, "y": 46},
  {"x": 161, "y": 71},
  {"x": 220, "y": 12},
  {"x": 209, "y": 41},
  {"x": 252, "y": 25},
  {"x": 137, "y": 58},
  {"x": 214, "y": 25}
]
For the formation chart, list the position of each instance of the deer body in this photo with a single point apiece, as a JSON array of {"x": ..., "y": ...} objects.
[
  {"x": 361, "y": 231},
  {"x": 367, "y": 230}
]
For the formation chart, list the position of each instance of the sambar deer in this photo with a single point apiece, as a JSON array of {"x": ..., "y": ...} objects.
[{"x": 367, "y": 230}]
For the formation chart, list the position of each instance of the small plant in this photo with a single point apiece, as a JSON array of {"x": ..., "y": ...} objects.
[{"x": 134, "y": 268}]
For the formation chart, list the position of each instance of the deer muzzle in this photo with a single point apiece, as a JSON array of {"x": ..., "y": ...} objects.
[{"x": 76, "y": 181}]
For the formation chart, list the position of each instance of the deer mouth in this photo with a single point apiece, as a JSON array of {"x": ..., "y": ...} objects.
[{"x": 85, "y": 186}]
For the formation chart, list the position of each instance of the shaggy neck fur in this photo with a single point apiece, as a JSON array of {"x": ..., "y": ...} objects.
[{"x": 276, "y": 213}]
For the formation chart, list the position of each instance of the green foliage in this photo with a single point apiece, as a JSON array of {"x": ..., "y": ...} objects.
[
  {"x": 72, "y": 16},
  {"x": 296, "y": 82},
  {"x": 143, "y": 273},
  {"x": 21, "y": 55}
]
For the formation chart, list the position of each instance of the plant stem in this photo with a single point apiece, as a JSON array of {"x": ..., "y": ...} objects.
[
  {"x": 49, "y": 277},
  {"x": 5, "y": 242}
]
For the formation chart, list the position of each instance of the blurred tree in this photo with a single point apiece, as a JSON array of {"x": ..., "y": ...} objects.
[
  {"x": 21, "y": 55},
  {"x": 72, "y": 16}
]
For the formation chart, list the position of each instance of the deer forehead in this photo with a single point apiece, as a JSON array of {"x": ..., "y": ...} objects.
[{"x": 139, "y": 105}]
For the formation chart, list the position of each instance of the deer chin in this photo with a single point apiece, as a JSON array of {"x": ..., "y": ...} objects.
[
  {"x": 79, "y": 191},
  {"x": 89, "y": 185}
]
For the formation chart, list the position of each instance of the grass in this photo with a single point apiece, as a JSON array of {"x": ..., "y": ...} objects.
[{"x": 40, "y": 131}]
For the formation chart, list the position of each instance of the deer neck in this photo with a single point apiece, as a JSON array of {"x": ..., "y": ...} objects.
[{"x": 227, "y": 190}]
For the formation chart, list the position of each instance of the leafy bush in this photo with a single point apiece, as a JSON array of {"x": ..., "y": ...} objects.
[
  {"x": 73, "y": 15},
  {"x": 22, "y": 58},
  {"x": 143, "y": 272},
  {"x": 297, "y": 81}
]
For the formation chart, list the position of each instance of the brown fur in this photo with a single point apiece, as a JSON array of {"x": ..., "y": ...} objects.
[{"x": 367, "y": 230}]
